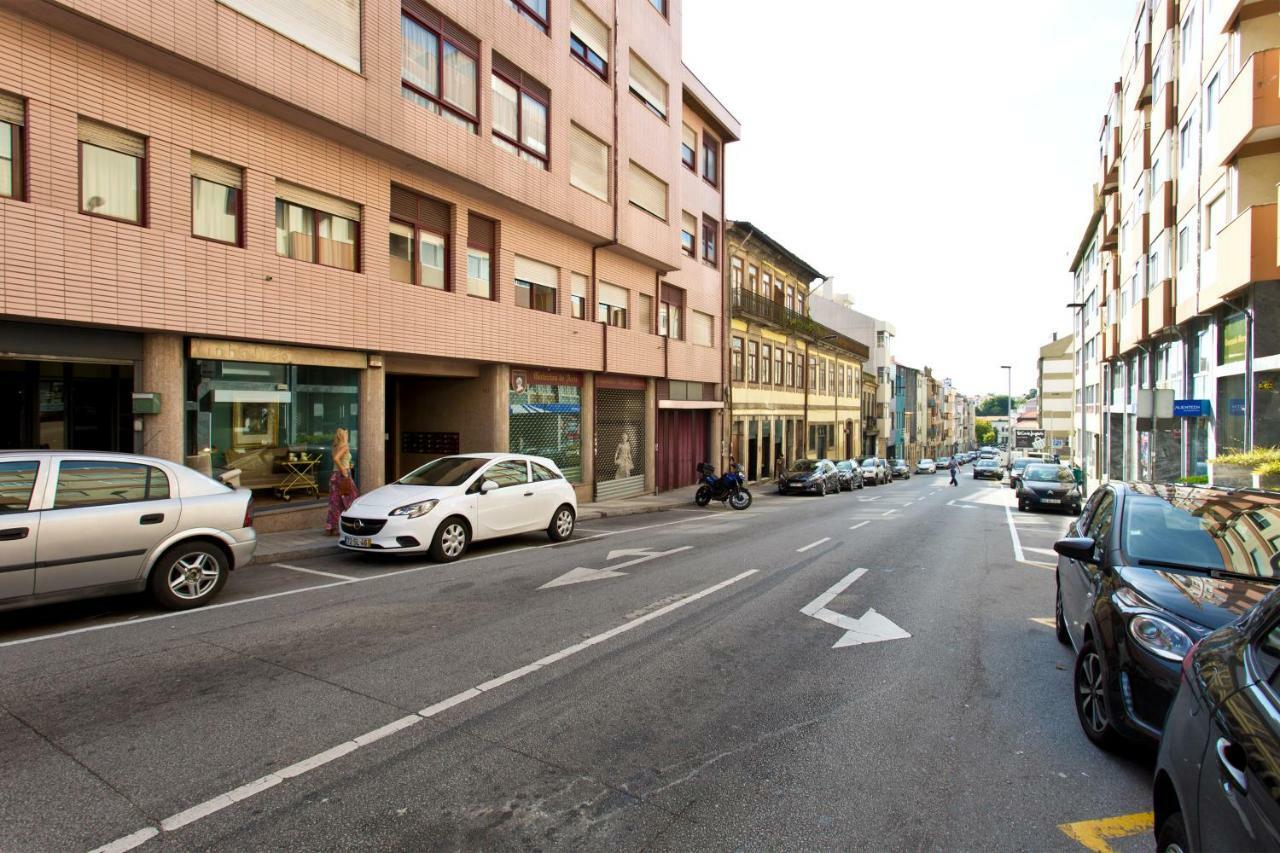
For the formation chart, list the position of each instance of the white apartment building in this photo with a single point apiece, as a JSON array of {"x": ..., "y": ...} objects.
[{"x": 836, "y": 311}]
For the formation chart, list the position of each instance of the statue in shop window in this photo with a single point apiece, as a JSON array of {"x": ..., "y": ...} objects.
[{"x": 622, "y": 457}]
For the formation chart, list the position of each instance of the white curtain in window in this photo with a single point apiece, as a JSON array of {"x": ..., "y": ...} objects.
[
  {"x": 420, "y": 57},
  {"x": 579, "y": 284},
  {"x": 6, "y": 158},
  {"x": 337, "y": 241},
  {"x": 459, "y": 79},
  {"x": 214, "y": 210},
  {"x": 109, "y": 183},
  {"x": 588, "y": 163},
  {"x": 505, "y": 108},
  {"x": 533, "y": 117}
]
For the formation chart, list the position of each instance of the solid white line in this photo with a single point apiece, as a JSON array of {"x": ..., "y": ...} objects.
[
  {"x": 306, "y": 765},
  {"x": 1046, "y": 551},
  {"x": 860, "y": 524},
  {"x": 313, "y": 572},
  {"x": 381, "y": 576},
  {"x": 813, "y": 544},
  {"x": 1013, "y": 534}
]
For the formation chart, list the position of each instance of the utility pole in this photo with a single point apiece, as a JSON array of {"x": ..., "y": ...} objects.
[{"x": 1008, "y": 368}]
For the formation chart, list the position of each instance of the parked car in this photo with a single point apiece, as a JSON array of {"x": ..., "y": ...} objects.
[
  {"x": 942, "y": 463},
  {"x": 811, "y": 476},
  {"x": 453, "y": 501},
  {"x": 899, "y": 469},
  {"x": 1016, "y": 468},
  {"x": 926, "y": 466},
  {"x": 985, "y": 469},
  {"x": 79, "y": 525},
  {"x": 1048, "y": 486},
  {"x": 1215, "y": 785},
  {"x": 850, "y": 474},
  {"x": 875, "y": 471},
  {"x": 1147, "y": 572}
]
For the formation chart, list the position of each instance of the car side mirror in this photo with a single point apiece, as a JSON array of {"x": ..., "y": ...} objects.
[
  {"x": 488, "y": 486},
  {"x": 1079, "y": 548}
]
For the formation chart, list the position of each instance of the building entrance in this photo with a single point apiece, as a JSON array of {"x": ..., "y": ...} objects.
[{"x": 60, "y": 405}]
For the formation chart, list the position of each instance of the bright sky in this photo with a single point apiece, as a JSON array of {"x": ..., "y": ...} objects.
[{"x": 938, "y": 161}]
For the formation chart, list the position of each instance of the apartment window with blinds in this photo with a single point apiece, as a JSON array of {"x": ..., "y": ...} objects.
[
  {"x": 482, "y": 241},
  {"x": 710, "y": 160},
  {"x": 536, "y": 11},
  {"x": 688, "y": 231},
  {"x": 316, "y": 228},
  {"x": 735, "y": 359},
  {"x": 419, "y": 239},
  {"x": 111, "y": 169},
  {"x": 216, "y": 210},
  {"x": 611, "y": 305},
  {"x": 766, "y": 361},
  {"x": 702, "y": 329},
  {"x": 536, "y": 285},
  {"x": 777, "y": 366},
  {"x": 688, "y": 148},
  {"x": 589, "y": 39},
  {"x": 439, "y": 65},
  {"x": 579, "y": 285},
  {"x": 644, "y": 312},
  {"x": 12, "y": 121},
  {"x": 648, "y": 86},
  {"x": 329, "y": 27},
  {"x": 588, "y": 163},
  {"x": 521, "y": 107},
  {"x": 648, "y": 191},
  {"x": 710, "y": 241},
  {"x": 671, "y": 312}
]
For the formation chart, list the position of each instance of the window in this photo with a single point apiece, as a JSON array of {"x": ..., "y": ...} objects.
[
  {"x": 215, "y": 200},
  {"x": 688, "y": 228},
  {"x": 671, "y": 312},
  {"x": 542, "y": 473},
  {"x": 588, "y": 163},
  {"x": 423, "y": 224},
  {"x": 536, "y": 285},
  {"x": 790, "y": 378},
  {"x": 735, "y": 359},
  {"x": 710, "y": 160},
  {"x": 97, "y": 482},
  {"x": 12, "y": 120},
  {"x": 17, "y": 481},
  {"x": 329, "y": 27},
  {"x": 512, "y": 472},
  {"x": 648, "y": 86},
  {"x": 791, "y": 298},
  {"x": 753, "y": 278},
  {"x": 710, "y": 241},
  {"x": 702, "y": 330},
  {"x": 660, "y": 5},
  {"x": 578, "y": 295},
  {"x": 766, "y": 360},
  {"x": 111, "y": 168},
  {"x": 1186, "y": 142},
  {"x": 589, "y": 39},
  {"x": 1184, "y": 246},
  {"x": 777, "y": 366},
  {"x": 644, "y": 312},
  {"x": 689, "y": 148},
  {"x": 534, "y": 10},
  {"x": 1214, "y": 220},
  {"x": 766, "y": 286},
  {"x": 735, "y": 273},
  {"x": 1187, "y": 39},
  {"x": 648, "y": 191},
  {"x": 438, "y": 65},
  {"x": 315, "y": 227},
  {"x": 611, "y": 307},
  {"x": 1210, "y": 102},
  {"x": 753, "y": 361},
  {"x": 481, "y": 241},
  {"x": 520, "y": 109}
]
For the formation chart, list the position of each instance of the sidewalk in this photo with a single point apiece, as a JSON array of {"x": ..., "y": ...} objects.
[{"x": 304, "y": 544}]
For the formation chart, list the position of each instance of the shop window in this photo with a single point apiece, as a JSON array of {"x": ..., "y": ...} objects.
[
  {"x": 536, "y": 285},
  {"x": 482, "y": 241},
  {"x": 12, "y": 122},
  {"x": 438, "y": 65},
  {"x": 420, "y": 228},
  {"x": 216, "y": 189},
  {"x": 316, "y": 228},
  {"x": 112, "y": 164},
  {"x": 619, "y": 439},
  {"x": 546, "y": 418}
]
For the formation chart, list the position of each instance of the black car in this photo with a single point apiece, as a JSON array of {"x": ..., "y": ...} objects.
[
  {"x": 811, "y": 476},
  {"x": 987, "y": 469},
  {"x": 1216, "y": 785},
  {"x": 850, "y": 473},
  {"x": 1148, "y": 571},
  {"x": 899, "y": 469},
  {"x": 1046, "y": 486},
  {"x": 1016, "y": 468}
]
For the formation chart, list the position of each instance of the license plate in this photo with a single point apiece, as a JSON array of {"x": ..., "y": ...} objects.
[
  {"x": 356, "y": 541},
  {"x": 1050, "y": 500}
]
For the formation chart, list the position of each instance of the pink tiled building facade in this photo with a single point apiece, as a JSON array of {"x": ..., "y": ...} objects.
[{"x": 228, "y": 227}]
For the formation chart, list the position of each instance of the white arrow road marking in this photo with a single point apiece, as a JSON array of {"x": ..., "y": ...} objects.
[
  {"x": 960, "y": 506},
  {"x": 582, "y": 574},
  {"x": 871, "y": 628}
]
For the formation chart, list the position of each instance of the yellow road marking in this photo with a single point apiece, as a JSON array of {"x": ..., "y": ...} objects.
[
  {"x": 1094, "y": 834},
  {"x": 1048, "y": 623}
]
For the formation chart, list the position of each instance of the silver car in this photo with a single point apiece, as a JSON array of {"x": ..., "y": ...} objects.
[{"x": 78, "y": 525}]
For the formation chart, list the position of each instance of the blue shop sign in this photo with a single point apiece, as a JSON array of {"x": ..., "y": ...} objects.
[
  {"x": 1191, "y": 409},
  {"x": 1236, "y": 408}
]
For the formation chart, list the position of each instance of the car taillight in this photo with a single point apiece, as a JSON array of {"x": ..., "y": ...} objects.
[{"x": 248, "y": 512}]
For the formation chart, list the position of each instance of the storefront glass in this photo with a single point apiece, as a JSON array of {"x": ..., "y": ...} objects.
[
  {"x": 1266, "y": 401},
  {"x": 273, "y": 422},
  {"x": 546, "y": 418},
  {"x": 1231, "y": 411}
]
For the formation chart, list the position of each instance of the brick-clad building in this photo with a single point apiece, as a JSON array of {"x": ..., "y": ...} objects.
[{"x": 228, "y": 227}]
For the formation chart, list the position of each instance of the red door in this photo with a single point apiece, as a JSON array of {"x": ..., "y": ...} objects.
[{"x": 682, "y": 444}]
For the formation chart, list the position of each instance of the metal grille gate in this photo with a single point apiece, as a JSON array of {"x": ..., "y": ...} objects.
[{"x": 620, "y": 443}]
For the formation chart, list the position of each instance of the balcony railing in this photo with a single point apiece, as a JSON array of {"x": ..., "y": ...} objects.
[{"x": 765, "y": 310}]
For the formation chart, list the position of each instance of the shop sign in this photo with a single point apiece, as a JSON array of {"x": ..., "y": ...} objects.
[
  {"x": 1028, "y": 439},
  {"x": 621, "y": 383},
  {"x": 1191, "y": 408},
  {"x": 537, "y": 376},
  {"x": 276, "y": 354},
  {"x": 1234, "y": 338}
]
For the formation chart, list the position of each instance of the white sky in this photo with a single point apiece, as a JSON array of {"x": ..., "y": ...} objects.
[{"x": 938, "y": 161}]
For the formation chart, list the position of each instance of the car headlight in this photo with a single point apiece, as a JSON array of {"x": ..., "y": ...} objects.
[
  {"x": 415, "y": 510},
  {"x": 1159, "y": 636}
]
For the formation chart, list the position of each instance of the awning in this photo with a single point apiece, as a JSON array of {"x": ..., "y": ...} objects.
[{"x": 546, "y": 408}]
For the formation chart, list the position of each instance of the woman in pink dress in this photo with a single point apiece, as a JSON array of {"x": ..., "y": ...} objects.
[{"x": 342, "y": 486}]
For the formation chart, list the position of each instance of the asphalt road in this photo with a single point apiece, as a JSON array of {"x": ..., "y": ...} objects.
[{"x": 686, "y": 702}]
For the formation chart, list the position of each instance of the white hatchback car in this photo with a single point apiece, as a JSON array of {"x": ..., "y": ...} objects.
[
  {"x": 926, "y": 466},
  {"x": 450, "y": 502}
]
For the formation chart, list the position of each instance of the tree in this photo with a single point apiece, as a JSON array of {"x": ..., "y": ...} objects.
[
  {"x": 986, "y": 433},
  {"x": 996, "y": 406}
]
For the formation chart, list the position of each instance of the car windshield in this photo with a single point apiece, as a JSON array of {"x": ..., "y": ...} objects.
[
  {"x": 804, "y": 466},
  {"x": 1019, "y": 464},
  {"x": 1215, "y": 531},
  {"x": 987, "y": 463},
  {"x": 870, "y": 463},
  {"x": 926, "y": 461},
  {"x": 447, "y": 471},
  {"x": 1048, "y": 474},
  {"x": 845, "y": 466}
]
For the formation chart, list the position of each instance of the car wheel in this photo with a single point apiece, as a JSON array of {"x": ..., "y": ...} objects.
[
  {"x": 1060, "y": 621},
  {"x": 1172, "y": 837},
  {"x": 561, "y": 526},
  {"x": 1089, "y": 682},
  {"x": 451, "y": 540},
  {"x": 188, "y": 575}
]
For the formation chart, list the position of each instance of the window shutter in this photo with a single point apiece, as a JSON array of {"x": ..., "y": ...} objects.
[
  {"x": 112, "y": 138},
  {"x": 672, "y": 295},
  {"x": 404, "y": 204},
  {"x": 588, "y": 163},
  {"x": 429, "y": 16},
  {"x": 689, "y": 222},
  {"x": 317, "y": 201},
  {"x": 481, "y": 232},
  {"x": 700, "y": 329},
  {"x": 508, "y": 69},
  {"x": 537, "y": 272},
  {"x": 579, "y": 284},
  {"x": 12, "y": 109},
  {"x": 644, "y": 313},
  {"x": 430, "y": 213},
  {"x": 648, "y": 84},
  {"x": 690, "y": 137},
  {"x": 611, "y": 294},
  {"x": 216, "y": 171},
  {"x": 586, "y": 26},
  {"x": 648, "y": 191}
]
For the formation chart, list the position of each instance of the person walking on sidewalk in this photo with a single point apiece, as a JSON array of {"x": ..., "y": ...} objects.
[
  {"x": 342, "y": 486},
  {"x": 953, "y": 468}
]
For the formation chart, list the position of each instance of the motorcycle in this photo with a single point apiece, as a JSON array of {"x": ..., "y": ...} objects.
[{"x": 728, "y": 488}]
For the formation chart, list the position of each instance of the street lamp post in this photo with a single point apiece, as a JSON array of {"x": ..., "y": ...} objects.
[
  {"x": 1077, "y": 330},
  {"x": 1008, "y": 368}
]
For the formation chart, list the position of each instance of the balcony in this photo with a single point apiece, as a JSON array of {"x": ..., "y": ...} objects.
[
  {"x": 1160, "y": 307},
  {"x": 1111, "y": 341},
  {"x": 870, "y": 425},
  {"x": 1134, "y": 327},
  {"x": 1111, "y": 222},
  {"x": 1110, "y": 181},
  {"x": 760, "y": 309},
  {"x": 1138, "y": 92},
  {"x": 1249, "y": 111},
  {"x": 1246, "y": 253}
]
